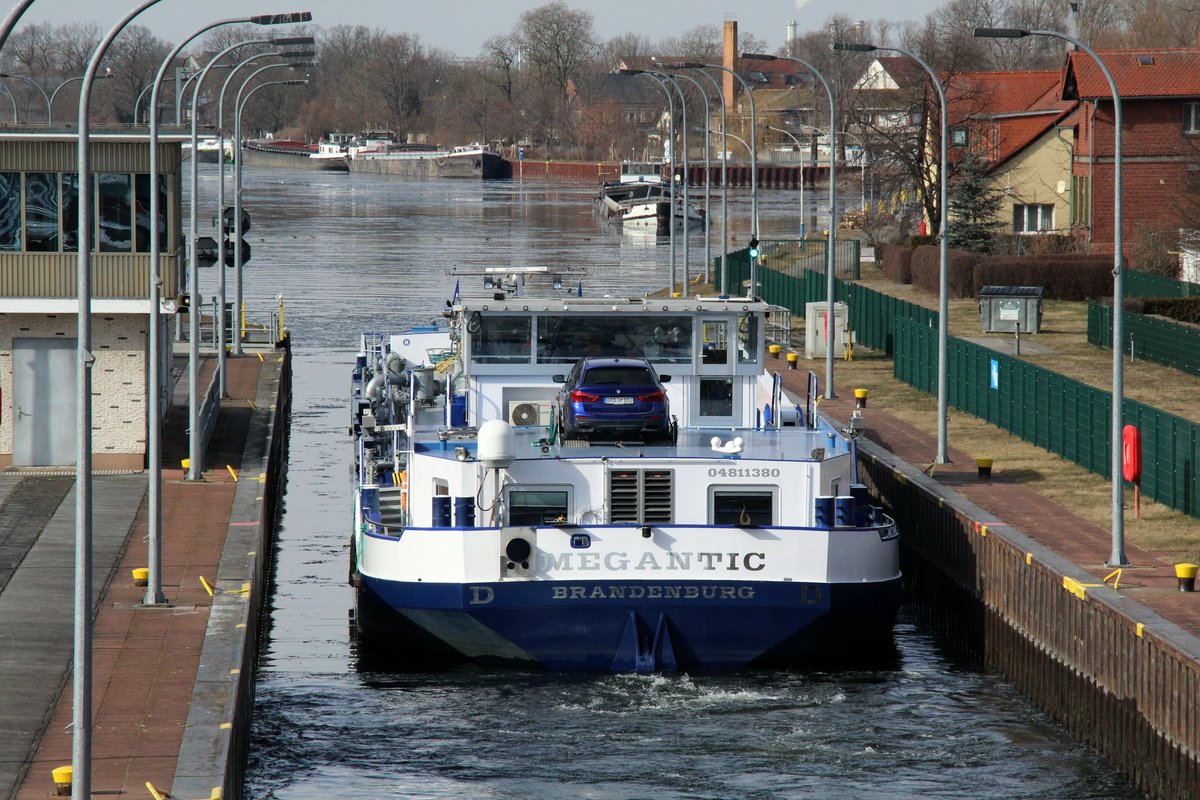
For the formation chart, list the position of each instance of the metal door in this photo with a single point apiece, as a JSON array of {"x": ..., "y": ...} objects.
[{"x": 43, "y": 402}]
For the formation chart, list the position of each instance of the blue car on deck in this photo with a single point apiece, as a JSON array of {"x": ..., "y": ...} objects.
[{"x": 614, "y": 398}]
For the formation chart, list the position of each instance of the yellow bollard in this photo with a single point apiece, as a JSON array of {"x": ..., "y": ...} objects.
[
  {"x": 792, "y": 359},
  {"x": 774, "y": 349},
  {"x": 62, "y": 780},
  {"x": 141, "y": 576},
  {"x": 186, "y": 463},
  {"x": 984, "y": 466},
  {"x": 860, "y": 398},
  {"x": 1186, "y": 573}
]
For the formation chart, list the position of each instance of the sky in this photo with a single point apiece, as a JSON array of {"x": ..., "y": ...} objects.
[{"x": 461, "y": 26}]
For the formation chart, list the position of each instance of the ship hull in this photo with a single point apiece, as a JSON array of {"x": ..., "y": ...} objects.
[
  {"x": 478, "y": 166},
  {"x": 627, "y": 625}
]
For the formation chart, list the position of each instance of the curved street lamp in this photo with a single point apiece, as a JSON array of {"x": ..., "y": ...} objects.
[
  {"x": 1117, "y": 557},
  {"x": 35, "y": 85},
  {"x": 724, "y": 290},
  {"x": 81, "y": 700},
  {"x": 753, "y": 158},
  {"x": 661, "y": 80},
  {"x": 831, "y": 256},
  {"x": 686, "y": 169},
  {"x": 943, "y": 245},
  {"x": 57, "y": 89},
  {"x": 11, "y": 19},
  {"x": 154, "y": 595},
  {"x": 707, "y": 187}
]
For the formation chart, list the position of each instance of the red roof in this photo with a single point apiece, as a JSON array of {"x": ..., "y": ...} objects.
[
  {"x": 1015, "y": 108},
  {"x": 1166, "y": 72}
]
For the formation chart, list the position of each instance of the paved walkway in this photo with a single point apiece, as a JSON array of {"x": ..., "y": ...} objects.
[
  {"x": 144, "y": 659},
  {"x": 1151, "y": 581}
]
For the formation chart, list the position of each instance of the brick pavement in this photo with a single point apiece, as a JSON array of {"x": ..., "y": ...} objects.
[{"x": 145, "y": 660}]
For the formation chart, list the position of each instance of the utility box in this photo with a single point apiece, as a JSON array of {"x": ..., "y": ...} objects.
[
  {"x": 1010, "y": 309},
  {"x": 815, "y": 329}
]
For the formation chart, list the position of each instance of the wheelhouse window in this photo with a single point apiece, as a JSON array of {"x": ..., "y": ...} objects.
[
  {"x": 716, "y": 397},
  {"x": 1035, "y": 218},
  {"x": 538, "y": 507},
  {"x": 565, "y": 340},
  {"x": 742, "y": 506},
  {"x": 500, "y": 339},
  {"x": 747, "y": 339}
]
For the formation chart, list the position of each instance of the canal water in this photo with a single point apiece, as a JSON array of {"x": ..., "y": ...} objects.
[{"x": 352, "y": 253}]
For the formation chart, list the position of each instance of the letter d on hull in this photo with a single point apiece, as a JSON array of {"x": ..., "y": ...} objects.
[{"x": 482, "y": 595}]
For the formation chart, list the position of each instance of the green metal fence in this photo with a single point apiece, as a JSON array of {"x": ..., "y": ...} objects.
[
  {"x": 789, "y": 257},
  {"x": 871, "y": 314},
  {"x": 1053, "y": 411},
  {"x": 1146, "y": 284},
  {"x": 1153, "y": 339}
]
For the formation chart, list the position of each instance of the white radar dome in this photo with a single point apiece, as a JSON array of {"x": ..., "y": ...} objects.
[{"x": 496, "y": 444}]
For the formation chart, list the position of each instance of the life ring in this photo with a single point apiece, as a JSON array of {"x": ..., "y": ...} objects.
[{"x": 404, "y": 489}]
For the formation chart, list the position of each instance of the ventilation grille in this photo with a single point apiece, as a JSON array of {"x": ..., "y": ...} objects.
[{"x": 640, "y": 497}]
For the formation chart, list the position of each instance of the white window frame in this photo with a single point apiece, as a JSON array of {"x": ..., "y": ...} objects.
[
  {"x": 1191, "y": 117},
  {"x": 1041, "y": 221}
]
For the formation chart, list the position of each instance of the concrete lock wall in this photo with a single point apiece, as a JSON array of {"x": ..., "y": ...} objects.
[{"x": 1118, "y": 676}]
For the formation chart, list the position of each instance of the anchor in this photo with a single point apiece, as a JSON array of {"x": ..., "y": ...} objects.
[{"x": 640, "y": 652}]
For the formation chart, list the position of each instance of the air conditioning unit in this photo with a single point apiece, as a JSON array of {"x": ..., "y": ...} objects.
[{"x": 529, "y": 412}]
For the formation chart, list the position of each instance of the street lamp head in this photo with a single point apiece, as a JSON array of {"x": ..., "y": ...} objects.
[
  {"x": 302, "y": 64},
  {"x": 854, "y": 46},
  {"x": 758, "y": 57},
  {"x": 305, "y": 54},
  {"x": 289, "y": 40},
  {"x": 631, "y": 72},
  {"x": 1001, "y": 33},
  {"x": 282, "y": 19},
  {"x": 684, "y": 65},
  {"x": 297, "y": 82}
]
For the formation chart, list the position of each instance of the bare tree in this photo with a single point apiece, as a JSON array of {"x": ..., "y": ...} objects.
[
  {"x": 134, "y": 59},
  {"x": 558, "y": 41}
]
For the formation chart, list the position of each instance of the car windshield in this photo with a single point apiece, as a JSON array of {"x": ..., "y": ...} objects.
[{"x": 619, "y": 376}]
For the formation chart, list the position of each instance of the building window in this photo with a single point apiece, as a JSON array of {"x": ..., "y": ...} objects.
[
  {"x": 115, "y": 213},
  {"x": 742, "y": 506},
  {"x": 1191, "y": 117},
  {"x": 1034, "y": 218},
  {"x": 10, "y": 211},
  {"x": 41, "y": 212},
  {"x": 958, "y": 137}
]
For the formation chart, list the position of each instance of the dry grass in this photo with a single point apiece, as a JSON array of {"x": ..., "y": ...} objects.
[{"x": 1064, "y": 335}]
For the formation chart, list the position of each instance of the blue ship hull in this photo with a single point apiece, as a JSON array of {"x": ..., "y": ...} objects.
[{"x": 627, "y": 626}]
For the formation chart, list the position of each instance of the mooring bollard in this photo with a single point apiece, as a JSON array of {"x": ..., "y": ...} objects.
[
  {"x": 62, "y": 780},
  {"x": 860, "y": 398},
  {"x": 792, "y": 359},
  {"x": 774, "y": 350},
  {"x": 141, "y": 576},
  {"x": 984, "y": 465},
  {"x": 1186, "y": 573}
]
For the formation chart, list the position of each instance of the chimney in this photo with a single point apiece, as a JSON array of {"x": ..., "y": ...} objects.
[
  {"x": 730, "y": 59},
  {"x": 791, "y": 38}
]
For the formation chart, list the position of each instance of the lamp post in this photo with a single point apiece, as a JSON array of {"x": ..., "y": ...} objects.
[
  {"x": 658, "y": 78},
  {"x": 221, "y": 337},
  {"x": 57, "y": 89},
  {"x": 724, "y": 290},
  {"x": 13, "y": 99},
  {"x": 154, "y": 595},
  {"x": 686, "y": 170},
  {"x": 81, "y": 701},
  {"x": 35, "y": 85},
  {"x": 753, "y": 159},
  {"x": 831, "y": 256},
  {"x": 195, "y": 454},
  {"x": 237, "y": 239},
  {"x": 800, "y": 149},
  {"x": 943, "y": 251},
  {"x": 1117, "y": 557},
  {"x": 707, "y": 185},
  {"x": 11, "y": 19}
]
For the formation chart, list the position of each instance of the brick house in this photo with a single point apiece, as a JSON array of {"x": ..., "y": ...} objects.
[
  {"x": 1160, "y": 99},
  {"x": 1022, "y": 129}
]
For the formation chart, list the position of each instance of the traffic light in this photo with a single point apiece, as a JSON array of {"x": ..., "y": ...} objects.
[
  {"x": 206, "y": 251},
  {"x": 753, "y": 247},
  {"x": 230, "y": 255}
]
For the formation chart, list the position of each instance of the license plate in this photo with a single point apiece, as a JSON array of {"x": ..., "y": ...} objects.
[{"x": 619, "y": 401}]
